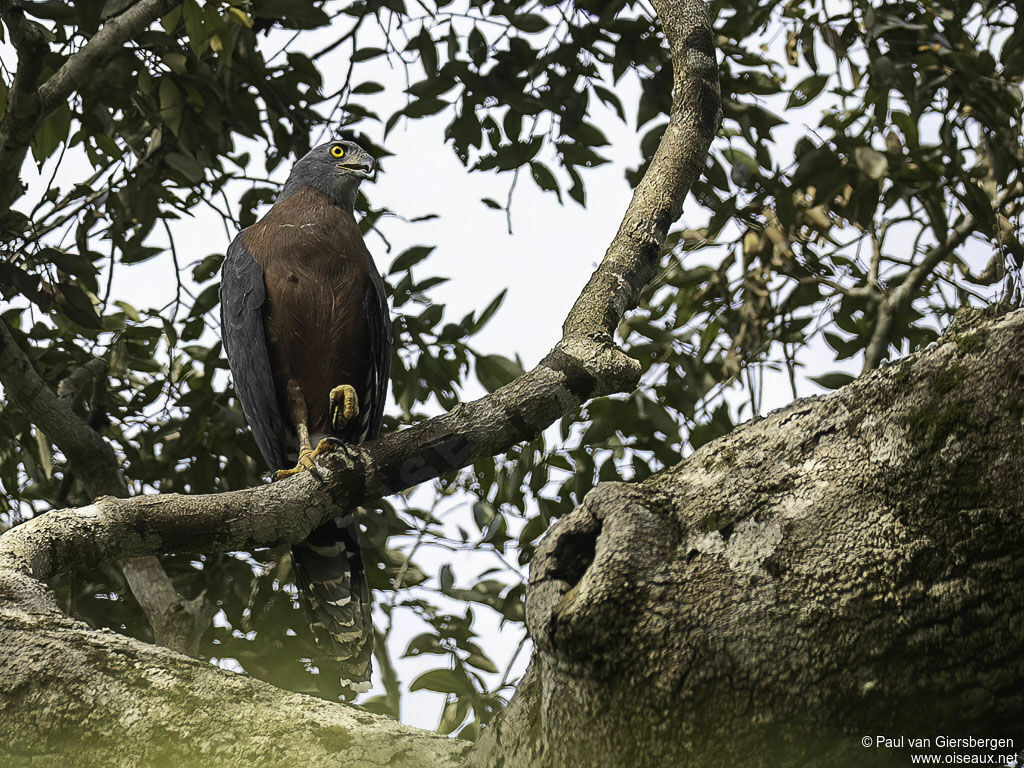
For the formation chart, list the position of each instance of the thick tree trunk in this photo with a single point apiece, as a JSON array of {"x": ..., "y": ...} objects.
[
  {"x": 849, "y": 566},
  {"x": 75, "y": 696}
]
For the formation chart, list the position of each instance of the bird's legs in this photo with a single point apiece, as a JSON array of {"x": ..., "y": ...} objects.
[
  {"x": 300, "y": 420},
  {"x": 344, "y": 406}
]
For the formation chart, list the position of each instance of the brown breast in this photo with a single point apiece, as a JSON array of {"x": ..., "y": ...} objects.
[{"x": 315, "y": 267}]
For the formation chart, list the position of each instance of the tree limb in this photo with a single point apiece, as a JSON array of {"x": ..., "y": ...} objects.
[
  {"x": 75, "y": 388},
  {"x": 91, "y": 456},
  {"x": 95, "y": 699},
  {"x": 175, "y": 623},
  {"x": 583, "y": 365},
  {"x": 29, "y": 105},
  {"x": 21, "y": 116},
  {"x": 77, "y": 70},
  {"x": 631, "y": 260},
  {"x": 902, "y": 297},
  {"x": 850, "y": 565}
]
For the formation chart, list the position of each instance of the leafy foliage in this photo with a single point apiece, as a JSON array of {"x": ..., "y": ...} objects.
[{"x": 916, "y": 146}]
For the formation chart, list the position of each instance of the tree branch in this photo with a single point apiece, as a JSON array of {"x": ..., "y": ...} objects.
[
  {"x": 900, "y": 299},
  {"x": 633, "y": 257},
  {"x": 21, "y": 116},
  {"x": 583, "y": 365},
  {"x": 851, "y": 564},
  {"x": 78, "y": 69},
  {"x": 91, "y": 456},
  {"x": 176, "y": 624},
  {"x": 76, "y": 388},
  {"x": 72, "y": 694},
  {"x": 29, "y": 105}
]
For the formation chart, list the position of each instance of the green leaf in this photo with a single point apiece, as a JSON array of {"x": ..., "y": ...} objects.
[
  {"x": 365, "y": 54},
  {"x": 171, "y": 104},
  {"x": 545, "y": 179},
  {"x": 195, "y": 22},
  {"x": 833, "y": 380},
  {"x": 495, "y": 371},
  {"x": 481, "y": 662},
  {"x": 186, "y": 165},
  {"x": 453, "y": 715},
  {"x": 442, "y": 680},
  {"x": 107, "y": 145},
  {"x": 611, "y": 100},
  {"x": 52, "y": 132},
  {"x": 410, "y": 258},
  {"x": 368, "y": 87},
  {"x": 208, "y": 267},
  {"x": 426, "y": 642},
  {"x": 806, "y": 90},
  {"x": 430, "y": 105},
  {"x": 205, "y": 301},
  {"x": 477, "y": 47},
  {"x": 427, "y": 48},
  {"x": 77, "y": 305},
  {"x": 445, "y": 577},
  {"x": 530, "y": 22},
  {"x": 291, "y": 14},
  {"x": 171, "y": 19},
  {"x": 489, "y": 311},
  {"x": 77, "y": 264},
  {"x": 130, "y": 312}
]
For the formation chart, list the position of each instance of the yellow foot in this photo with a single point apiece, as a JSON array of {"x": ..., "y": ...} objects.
[
  {"x": 344, "y": 407},
  {"x": 324, "y": 446},
  {"x": 307, "y": 456}
]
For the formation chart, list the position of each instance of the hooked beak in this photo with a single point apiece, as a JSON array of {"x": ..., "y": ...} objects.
[{"x": 362, "y": 167}]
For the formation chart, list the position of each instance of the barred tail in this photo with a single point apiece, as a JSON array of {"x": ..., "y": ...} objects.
[{"x": 332, "y": 587}]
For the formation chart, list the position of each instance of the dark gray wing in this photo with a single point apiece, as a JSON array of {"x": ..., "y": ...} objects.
[
  {"x": 242, "y": 294},
  {"x": 378, "y": 320}
]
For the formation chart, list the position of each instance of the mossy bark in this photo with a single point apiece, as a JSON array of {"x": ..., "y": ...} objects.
[{"x": 849, "y": 566}]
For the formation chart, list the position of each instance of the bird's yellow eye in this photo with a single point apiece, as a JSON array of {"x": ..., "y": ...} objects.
[{"x": 337, "y": 151}]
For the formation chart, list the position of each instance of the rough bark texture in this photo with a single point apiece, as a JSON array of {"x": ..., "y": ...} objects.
[
  {"x": 850, "y": 565},
  {"x": 36, "y": 641},
  {"x": 75, "y": 696},
  {"x": 176, "y": 623}
]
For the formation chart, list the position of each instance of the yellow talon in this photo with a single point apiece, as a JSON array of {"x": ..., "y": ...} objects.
[
  {"x": 307, "y": 458},
  {"x": 305, "y": 462},
  {"x": 344, "y": 406},
  {"x": 324, "y": 446}
]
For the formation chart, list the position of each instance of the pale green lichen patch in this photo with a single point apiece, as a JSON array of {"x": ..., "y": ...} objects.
[
  {"x": 751, "y": 544},
  {"x": 943, "y": 412},
  {"x": 971, "y": 342},
  {"x": 334, "y": 738}
]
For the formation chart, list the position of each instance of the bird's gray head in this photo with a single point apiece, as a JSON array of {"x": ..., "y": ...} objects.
[{"x": 335, "y": 168}]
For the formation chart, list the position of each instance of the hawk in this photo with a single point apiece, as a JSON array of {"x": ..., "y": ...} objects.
[{"x": 307, "y": 334}]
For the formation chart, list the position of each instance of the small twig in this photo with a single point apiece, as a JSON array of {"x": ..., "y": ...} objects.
[
  {"x": 177, "y": 271},
  {"x": 900, "y": 299}
]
